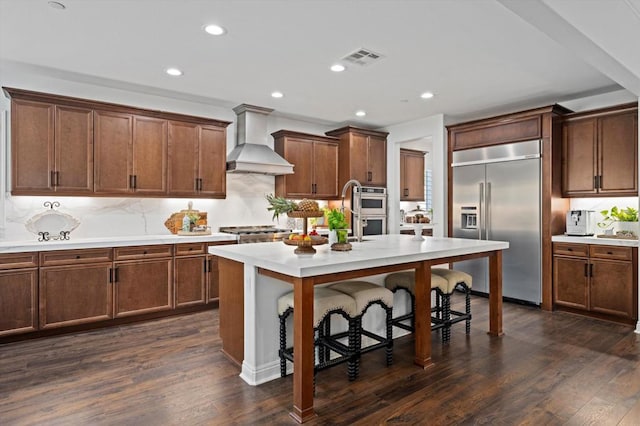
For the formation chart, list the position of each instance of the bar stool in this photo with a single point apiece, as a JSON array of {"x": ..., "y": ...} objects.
[
  {"x": 367, "y": 294},
  {"x": 456, "y": 280},
  {"x": 406, "y": 281},
  {"x": 326, "y": 302}
]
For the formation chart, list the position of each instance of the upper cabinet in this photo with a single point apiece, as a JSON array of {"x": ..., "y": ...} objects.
[
  {"x": 411, "y": 175},
  {"x": 315, "y": 165},
  {"x": 71, "y": 146},
  {"x": 600, "y": 153},
  {"x": 52, "y": 148},
  {"x": 197, "y": 160},
  {"x": 363, "y": 155}
]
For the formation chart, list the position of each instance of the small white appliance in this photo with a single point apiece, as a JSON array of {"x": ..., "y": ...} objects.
[{"x": 581, "y": 222}]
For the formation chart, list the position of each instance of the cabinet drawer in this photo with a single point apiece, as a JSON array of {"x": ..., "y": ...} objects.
[
  {"x": 570, "y": 249},
  {"x": 18, "y": 260},
  {"x": 189, "y": 249},
  {"x": 143, "y": 252},
  {"x": 611, "y": 252},
  {"x": 67, "y": 257}
]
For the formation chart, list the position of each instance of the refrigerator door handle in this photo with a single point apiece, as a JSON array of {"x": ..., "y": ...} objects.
[
  {"x": 487, "y": 216},
  {"x": 481, "y": 211}
]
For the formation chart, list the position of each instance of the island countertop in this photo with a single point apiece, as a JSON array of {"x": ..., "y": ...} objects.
[{"x": 376, "y": 250}]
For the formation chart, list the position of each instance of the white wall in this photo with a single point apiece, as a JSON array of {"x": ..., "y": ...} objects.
[
  {"x": 244, "y": 204},
  {"x": 411, "y": 135}
]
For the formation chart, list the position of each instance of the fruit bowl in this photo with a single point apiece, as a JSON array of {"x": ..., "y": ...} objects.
[{"x": 306, "y": 246}]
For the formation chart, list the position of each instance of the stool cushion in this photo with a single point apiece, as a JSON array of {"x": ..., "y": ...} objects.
[
  {"x": 453, "y": 277},
  {"x": 325, "y": 300},
  {"x": 364, "y": 292},
  {"x": 407, "y": 279}
]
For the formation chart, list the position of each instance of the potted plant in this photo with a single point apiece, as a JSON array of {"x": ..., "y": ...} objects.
[
  {"x": 338, "y": 226},
  {"x": 625, "y": 220}
]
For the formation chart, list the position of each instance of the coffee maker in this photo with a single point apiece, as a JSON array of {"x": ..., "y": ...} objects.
[{"x": 581, "y": 222}]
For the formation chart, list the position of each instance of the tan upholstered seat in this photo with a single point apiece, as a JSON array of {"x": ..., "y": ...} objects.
[
  {"x": 453, "y": 277},
  {"x": 407, "y": 279},
  {"x": 364, "y": 292},
  {"x": 325, "y": 300}
]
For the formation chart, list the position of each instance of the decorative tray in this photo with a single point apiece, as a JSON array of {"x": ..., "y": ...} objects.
[
  {"x": 306, "y": 247},
  {"x": 300, "y": 213},
  {"x": 52, "y": 224},
  {"x": 619, "y": 236}
]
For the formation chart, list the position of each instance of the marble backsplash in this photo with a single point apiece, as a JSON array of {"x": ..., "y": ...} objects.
[{"x": 102, "y": 217}]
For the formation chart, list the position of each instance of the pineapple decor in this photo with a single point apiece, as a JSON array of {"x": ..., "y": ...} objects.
[{"x": 280, "y": 205}]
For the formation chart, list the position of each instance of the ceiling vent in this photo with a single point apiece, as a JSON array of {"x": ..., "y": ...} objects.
[{"x": 363, "y": 57}]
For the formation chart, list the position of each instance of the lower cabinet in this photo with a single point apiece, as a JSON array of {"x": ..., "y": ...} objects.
[
  {"x": 596, "y": 278},
  {"x": 143, "y": 285},
  {"x": 18, "y": 293},
  {"x": 213, "y": 282},
  {"x": 191, "y": 274}
]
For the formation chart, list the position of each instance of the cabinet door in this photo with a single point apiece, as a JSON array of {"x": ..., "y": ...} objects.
[
  {"x": 32, "y": 139},
  {"x": 183, "y": 152},
  {"x": 18, "y": 301},
  {"x": 299, "y": 152},
  {"x": 212, "y": 162},
  {"x": 142, "y": 287},
  {"x": 212, "y": 279},
  {"x": 358, "y": 155},
  {"x": 190, "y": 281},
  {"x": 113, "y": 138},
  {"x": 75, "y": 294},
  {"x": 570, "y": 282},
  {"x": 73, "y": 166},
  {"x": 612, "y": 288},
  {"x": 325, "y": 170},
  {"x": 412, "y": 177},
  {"x": 149, "y": 155},
  {"x": 579, "y": 157},
  {"x": 619, "y": 154},
  {"x": 377, "y": 161}
]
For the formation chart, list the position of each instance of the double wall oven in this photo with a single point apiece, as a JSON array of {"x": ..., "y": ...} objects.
[{"x": 372, "y": 201}]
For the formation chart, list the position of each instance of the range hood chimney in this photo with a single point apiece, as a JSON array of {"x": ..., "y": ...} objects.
[{"x": 252, "y": 154}]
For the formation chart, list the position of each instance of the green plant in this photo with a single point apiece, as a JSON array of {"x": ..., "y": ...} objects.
[
  {"x": 618, "y": 215},
  {"x": 193, "y": 217},
  {"x": 336, "y": 219}
]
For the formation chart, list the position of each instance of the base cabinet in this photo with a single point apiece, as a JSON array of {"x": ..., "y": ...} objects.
[
  {"x": 596, "y": 279},
  {"x": 18, "y": 293},
  {"x": 191, "y": 274}
]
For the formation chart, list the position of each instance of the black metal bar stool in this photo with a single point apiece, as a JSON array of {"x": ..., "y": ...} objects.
[{"x": 455, "y": 280}]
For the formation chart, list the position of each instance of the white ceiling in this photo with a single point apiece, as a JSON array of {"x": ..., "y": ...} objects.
[{"x": 480, "y": 57}]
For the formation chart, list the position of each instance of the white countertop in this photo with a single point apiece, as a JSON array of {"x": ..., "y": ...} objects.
[
  {"x": 376, "y": 250},
  {"x": 594, "y": 240},
  {"x": 83, "y": 243}
]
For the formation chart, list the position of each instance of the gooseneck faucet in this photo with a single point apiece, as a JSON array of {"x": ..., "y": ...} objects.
[{"x": 354, "y": 209}]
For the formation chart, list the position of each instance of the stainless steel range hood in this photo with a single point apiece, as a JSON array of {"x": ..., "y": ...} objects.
[{"x": 252, "y": 153}]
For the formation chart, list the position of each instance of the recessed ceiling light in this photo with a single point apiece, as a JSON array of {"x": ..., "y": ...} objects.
[
  {"x": 361, "y": 113},
  {"x": 174, "y": 72},
  {"x": 337, "y": 68},
  {"x": 427, "y": 95},
  {"x": 57, "y": 5},
  {"x": 215, "y": 29},
  {"x": 277, "y": 94}
]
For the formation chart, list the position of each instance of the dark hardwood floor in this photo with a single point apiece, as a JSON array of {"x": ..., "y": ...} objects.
[{"x": 549, "y": 368}]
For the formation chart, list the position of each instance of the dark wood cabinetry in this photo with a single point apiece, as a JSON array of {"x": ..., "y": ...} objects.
[
  {"x": 600, "y": 153},
  {"x": 75, "y": 146},
  {"x": 362, "y": 155},
  {"x": 145, "y": 284},
  {"x": 315, "y": 165},
  {"x": 412, "y": 175},
  {"x": 596, "y": 279},
  {"x": 191, "y": 268},
  {"x": 18, "y": 293},
  {"x": 197, "y": 160},
  {"x": 52, "y": 149}
]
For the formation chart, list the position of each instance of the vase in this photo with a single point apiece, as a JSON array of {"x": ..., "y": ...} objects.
[
  {"x": 333, "y": 238},
  {"x": 632, "y": 227}
]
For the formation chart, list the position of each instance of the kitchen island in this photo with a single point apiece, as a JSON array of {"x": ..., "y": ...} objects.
[{"x": 253, "y": 276}]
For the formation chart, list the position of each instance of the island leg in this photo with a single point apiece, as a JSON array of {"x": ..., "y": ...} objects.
[
  {"x": 303, "y": 350},
  {"x": 422, "y": 315},
  {"x": 495, "y": 293}
]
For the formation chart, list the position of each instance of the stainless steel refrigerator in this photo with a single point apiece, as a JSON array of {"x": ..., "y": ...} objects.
[{"x": 496, "y": 196}]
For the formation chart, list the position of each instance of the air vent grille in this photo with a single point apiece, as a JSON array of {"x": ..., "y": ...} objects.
[{"x": 363, "y": 57}]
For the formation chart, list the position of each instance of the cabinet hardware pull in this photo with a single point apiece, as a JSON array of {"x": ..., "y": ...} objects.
[
  {"x": 130, "y": 181},
  {"x": 116, "y": 275},
  {"x": 57, "y": 178},
  {"x": 209, "y": 265},
  {"x": 591, "y": 269},
  {"x": 569, "y": 249},
  {"x": 135, "y": 181},
  {"x": 78, "y": 256},
  {"x": 609, "y": 252},
  {"x": 600, "y": 181},
  {"x": 52, "y": 178},
  {"x": 110, "y": 275},
  {"x": 369, "y": 176},
  {"x": 206, "y": 264},
  {"x": 586, "y": 270},
  {"x": 144, "y": 252}
]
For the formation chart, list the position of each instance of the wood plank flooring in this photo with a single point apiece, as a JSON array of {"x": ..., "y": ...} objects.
[{"x": 548, "y": 369}]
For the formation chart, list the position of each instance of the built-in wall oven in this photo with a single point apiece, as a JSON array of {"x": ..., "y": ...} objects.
[{"x": 372, "y": 202}]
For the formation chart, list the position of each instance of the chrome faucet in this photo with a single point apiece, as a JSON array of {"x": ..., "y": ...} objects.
[{"x": 354, "y": 209}]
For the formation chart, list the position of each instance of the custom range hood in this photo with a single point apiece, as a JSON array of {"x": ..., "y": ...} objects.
[{"x": 252, "y": 154}]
